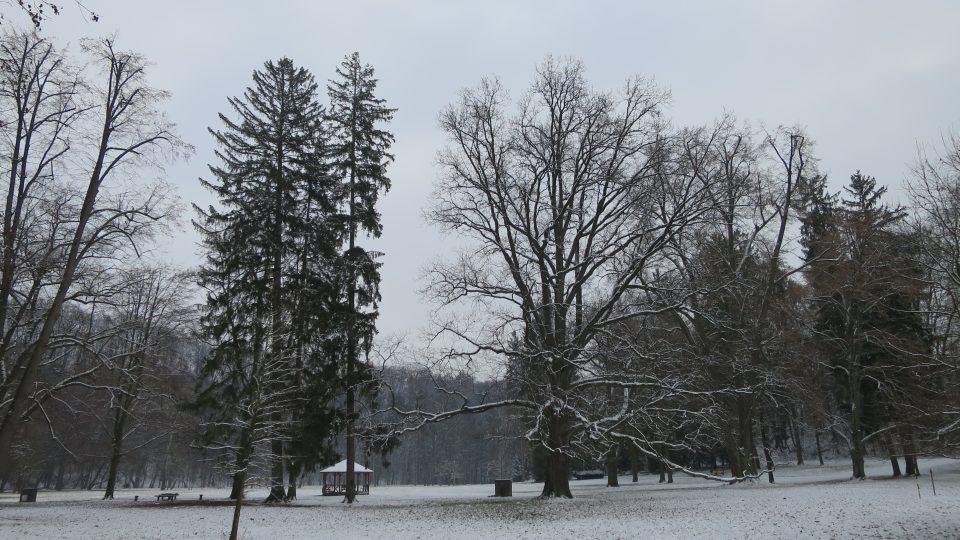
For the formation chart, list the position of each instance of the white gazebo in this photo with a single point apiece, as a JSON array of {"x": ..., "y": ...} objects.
[{"x": 335, "y": 479}]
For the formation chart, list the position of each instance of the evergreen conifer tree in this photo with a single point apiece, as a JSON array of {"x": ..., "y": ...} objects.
[
  {"x": 271, "y": 248},
  {"x": 865, "y": 289},
  {"x": 359, "y": 156}
]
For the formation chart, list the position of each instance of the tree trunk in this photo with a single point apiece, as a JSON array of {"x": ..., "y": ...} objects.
[
  {"x": 896, "y": 466},
  {"x": 816, "y": 436},
  {"x": 116, "y": 451},
  {"x": 558, "y": 463},
  {"x": 237, "y": 490},
  {"x": 856, "y": 430},
  {"x": 910, "y": 461},
  {"x": 611, "y": 462},
  {"x": 797, "y": 436},
  {"x": 634, "y": 463},
  {"x": 241, "y": 478},
  {"x": 277, "y": 493},
  {"x": 58, "y": 485},
  {"x": 733, "y": 455},
  {"x": 351, "y": 495},
  {"x": 293, "y": 472},
  {"x": 857, "y": 462},
  {"x": 558, "y": 476},
  {"x": 910, "y": 454},
  {"x": 766, "y": 450}
]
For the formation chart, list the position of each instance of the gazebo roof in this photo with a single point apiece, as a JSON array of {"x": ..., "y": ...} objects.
[{"x": 342, "y": 467}]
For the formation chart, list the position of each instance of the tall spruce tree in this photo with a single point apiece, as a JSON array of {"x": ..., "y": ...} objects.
[
  {"x": 271, "y": 247},
  {"x": 359, "y": 155}
]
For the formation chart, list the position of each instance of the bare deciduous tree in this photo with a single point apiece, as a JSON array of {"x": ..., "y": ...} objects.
[
  {"x": 119, "y": 134},
  {"x": 569, "y": 205}
]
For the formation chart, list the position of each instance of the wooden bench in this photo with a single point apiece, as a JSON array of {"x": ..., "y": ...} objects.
[{"x": 167, "y": 497}]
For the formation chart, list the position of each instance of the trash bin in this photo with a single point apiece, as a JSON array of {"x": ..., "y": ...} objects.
[
  {"x": 503, "y": 488},
  {"x": 28, "y": 495}
]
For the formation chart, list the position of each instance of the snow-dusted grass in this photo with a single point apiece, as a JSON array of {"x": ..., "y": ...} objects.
[{"x": 806, "y": 502}]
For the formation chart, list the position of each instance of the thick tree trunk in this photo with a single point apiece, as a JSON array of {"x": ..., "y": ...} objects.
[
  {"x": 634, "y": 463},
  {"x": 857, "y": 462},
  {"x": 558, "y": 476},
  {"x": 236, "y": 491},
  {"x": 611, "y": 463},
  {"x": 558, "y": 440}
]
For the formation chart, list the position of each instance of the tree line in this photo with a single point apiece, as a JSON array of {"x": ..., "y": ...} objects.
[
  {"x": 699, "y": 298},
  {"x": 641, "y": 287}
]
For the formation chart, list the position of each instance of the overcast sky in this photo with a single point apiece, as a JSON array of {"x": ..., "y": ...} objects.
[{"x": 869, "y": 79}]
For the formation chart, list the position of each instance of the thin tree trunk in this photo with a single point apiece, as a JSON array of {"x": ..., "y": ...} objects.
[
  {"x": 856, "y": 429},
  {"x": 895, "y": 464},
  {"x": 913, "y": 468},
  {"x": 733, "y": 455},
  {"x": 235, "y": 525},
  {"x": 816, "y": 436},
  {"x": 119, "y": 424},
  {"x": 667, "y": 467},
  {"x": 293, "y": 471},
  {"x": 766, "y": 449},
  {"x": 351, "y": 486},
  {"x": 797, "y": 440}
]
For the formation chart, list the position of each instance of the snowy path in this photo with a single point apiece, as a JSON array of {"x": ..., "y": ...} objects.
[{"x": 806, "y": 502}]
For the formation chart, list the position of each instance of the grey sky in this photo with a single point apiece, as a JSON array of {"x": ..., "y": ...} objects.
[{"x": 869, "y": 79}]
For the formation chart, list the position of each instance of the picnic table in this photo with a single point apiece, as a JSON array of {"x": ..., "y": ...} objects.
[{"x": 167, "y": 497}]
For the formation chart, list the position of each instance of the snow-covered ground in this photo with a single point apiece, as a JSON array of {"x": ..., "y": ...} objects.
[{"x": 806, "y": 502}]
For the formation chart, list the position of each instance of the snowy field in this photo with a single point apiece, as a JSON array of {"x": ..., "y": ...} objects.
[{"x": 806, "y": 502}]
